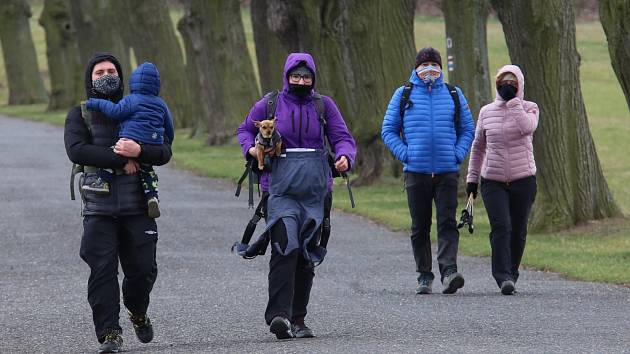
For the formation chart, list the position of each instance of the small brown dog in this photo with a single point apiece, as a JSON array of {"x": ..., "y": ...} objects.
[{"x": 268, "y": 140}]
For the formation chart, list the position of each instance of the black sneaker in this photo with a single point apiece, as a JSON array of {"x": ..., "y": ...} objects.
[
  {"x": 452, "y": 281},
  {"x": 424, "y": 285},
  {"x": 112, "y": 342},
  {"x": 99, "y": 186},
  {"x": 153, "y": 207},
  {"x": 507, "y": 287},
  {"x": 142, "y": 326},
  {"x": 300, "y": 330},
  {"x": 281, "y": 327}
]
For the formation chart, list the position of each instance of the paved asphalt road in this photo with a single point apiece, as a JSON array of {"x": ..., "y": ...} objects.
[{"x": 208, "y": 300}]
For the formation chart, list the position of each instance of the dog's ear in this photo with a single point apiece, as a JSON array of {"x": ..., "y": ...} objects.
[
  {"x": 257, "y": 124},
  {"x": 274, "y": 121}
]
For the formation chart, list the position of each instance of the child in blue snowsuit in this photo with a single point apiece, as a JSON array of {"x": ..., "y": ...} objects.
[{"x": 145, "y": 118}]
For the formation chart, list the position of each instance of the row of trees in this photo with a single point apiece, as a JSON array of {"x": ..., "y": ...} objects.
[{"x": 364, "y": 50}]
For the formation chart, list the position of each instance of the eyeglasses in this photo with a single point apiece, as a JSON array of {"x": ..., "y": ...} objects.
[{"x": 308, "y": 79}]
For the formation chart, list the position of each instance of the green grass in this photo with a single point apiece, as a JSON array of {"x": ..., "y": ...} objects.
[
  {"x": 36, "y": 112},
  {"x": 216, "y": 161},
  {"x": 597, "y": 252}
]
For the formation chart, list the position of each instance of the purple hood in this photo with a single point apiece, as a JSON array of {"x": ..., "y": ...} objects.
[
  {"x": 293, "y": 60},
  {"x": 297, "y": 120}
]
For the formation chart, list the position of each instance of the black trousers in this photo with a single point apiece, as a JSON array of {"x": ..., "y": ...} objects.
[
  {"x": 508, "y": 206},
  {"x": 106, "y": 241},
  {"x": 290, "y": 280},
  {"x": 291, "y": 276},
  {"x": 422, "y": 191}
]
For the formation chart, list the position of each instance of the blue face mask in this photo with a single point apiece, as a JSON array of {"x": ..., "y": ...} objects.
[{"x": 428, "y": 74}]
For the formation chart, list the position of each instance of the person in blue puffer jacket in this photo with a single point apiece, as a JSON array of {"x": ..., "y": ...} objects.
[
  {"x": 145, "y": 118},
  {"x": 431, "y": 143}
]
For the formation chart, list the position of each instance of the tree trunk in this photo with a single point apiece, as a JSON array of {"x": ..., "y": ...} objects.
[
  {"x": 571, "y": 186},
  {"x": 467, "y": 56},
  {"x": 93, "y": 20},
  {"x": 194, "y": 44},
  {"x": 150, "y": 32},
  {"x": 215, "y": 42},
  {"x": 269, "y": 50},
  {"x": 20, "y": 60},
  {"x": 64, "y": 66},
  {"x": 363, "y": 50},
  {"x": 615, "y": 18}
]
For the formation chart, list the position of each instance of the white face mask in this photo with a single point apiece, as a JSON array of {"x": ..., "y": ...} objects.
[{"x": 428, "y": 74}]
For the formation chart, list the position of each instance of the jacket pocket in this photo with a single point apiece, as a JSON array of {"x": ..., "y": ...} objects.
[{"x": 458, "y": 160}]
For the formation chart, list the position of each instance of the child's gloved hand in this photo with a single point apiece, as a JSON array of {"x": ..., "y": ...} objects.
[{"x": 90, "y": 104}]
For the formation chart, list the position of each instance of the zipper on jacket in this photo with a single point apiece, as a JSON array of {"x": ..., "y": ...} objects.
[
  {"x": 300, "y": 129},
  {"x": 307, "y": 121},
  {"x": 507, "y": 150},
  {"x": 432, "y": 130},
  {"x": 293, "y": 120}
]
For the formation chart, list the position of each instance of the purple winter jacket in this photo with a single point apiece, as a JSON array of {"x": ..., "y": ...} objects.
[{"x": 298, "y": 123}]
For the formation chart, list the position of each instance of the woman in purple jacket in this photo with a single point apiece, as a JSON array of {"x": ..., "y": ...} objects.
[
  {"x": 298, "y": 185},
  {"x": 503, "y": 154}
]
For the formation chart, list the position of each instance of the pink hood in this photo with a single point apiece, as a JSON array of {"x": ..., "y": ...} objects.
[{"x": 502, "y": 150}]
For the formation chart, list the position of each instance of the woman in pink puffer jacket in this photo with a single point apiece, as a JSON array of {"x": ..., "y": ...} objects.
[{"x": 502, "y": 153}]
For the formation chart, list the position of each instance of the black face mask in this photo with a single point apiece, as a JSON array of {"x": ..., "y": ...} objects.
[
  {"x": 507, "y": 92},
  {"x": 106, "y": 85},
  {"x": 300, "y": 90}
]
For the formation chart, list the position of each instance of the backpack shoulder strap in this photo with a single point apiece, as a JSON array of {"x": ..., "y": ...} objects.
[
  {"x": 455, "y": 96},
  {"x": 251, "y": 171},
  {"x": 87, "y": 118},
  {"x": 404, "y": 99},
  {"x": 321, "y": 116},
  {"x": 319, "y": 107},
  {"x": 272, "y": 103}
]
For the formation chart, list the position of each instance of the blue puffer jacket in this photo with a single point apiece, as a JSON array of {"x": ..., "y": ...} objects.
[
  {"x": 431, "y": 143},
  {"x": 144, "y": 116}
]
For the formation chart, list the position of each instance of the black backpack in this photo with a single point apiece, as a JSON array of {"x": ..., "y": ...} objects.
[
  {"x": 406, "y": 103},
  {"x": 251, "y": 167}
]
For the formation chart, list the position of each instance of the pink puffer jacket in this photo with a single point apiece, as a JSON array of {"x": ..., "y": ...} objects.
[{"x": 502, "y": 149}]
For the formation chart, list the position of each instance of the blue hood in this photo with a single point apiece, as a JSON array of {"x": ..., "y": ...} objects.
[{"x": 145, "y": 79}]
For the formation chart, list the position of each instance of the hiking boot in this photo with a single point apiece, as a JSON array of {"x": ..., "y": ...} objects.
[
  {"x": 154, "y": 207},
  {"x": 99, "y": 186},
  {"x": 424, "y": 285},
  {"x": 142, "y": 326},
  {"x": 507, "y": 287},
  {"x": 112, "y": 342},
  {"x": 300, "y": 330},
  {"x": 281, "y": 327},
  {"x": 452, "y": 281}
]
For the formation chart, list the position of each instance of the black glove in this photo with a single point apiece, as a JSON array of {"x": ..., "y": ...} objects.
[{"x": 472, "y": 188}]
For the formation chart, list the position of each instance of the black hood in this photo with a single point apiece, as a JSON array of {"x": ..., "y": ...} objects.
[{"x": 97, "y": 58}]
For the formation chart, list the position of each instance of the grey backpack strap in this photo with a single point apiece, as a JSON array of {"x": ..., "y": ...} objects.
[
  {"x": 87, "y": 118},
  {"x": 272, "y": 103},
  {"x": 321, "y": 113}
]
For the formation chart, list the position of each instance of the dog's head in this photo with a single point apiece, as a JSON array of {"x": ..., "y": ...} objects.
[{"x": 266, "y": 127}]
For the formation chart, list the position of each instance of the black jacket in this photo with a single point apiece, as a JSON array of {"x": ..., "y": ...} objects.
[{"x": 126, "y": 196}]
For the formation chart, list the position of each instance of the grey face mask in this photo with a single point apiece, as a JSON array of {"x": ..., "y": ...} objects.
[{"x": 106, "y": 85}]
